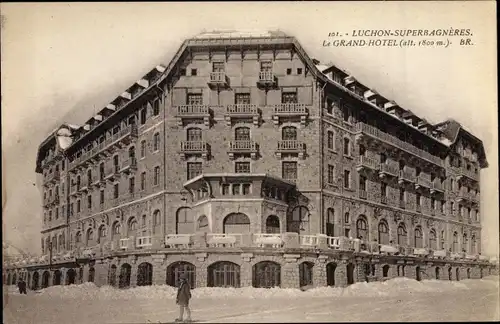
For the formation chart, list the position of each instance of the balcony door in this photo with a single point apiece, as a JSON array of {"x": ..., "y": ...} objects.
[
  {"x": 194, "y": 135},
  {"x": 242, "y": 134},
  {"x": 289, "y": 133}
]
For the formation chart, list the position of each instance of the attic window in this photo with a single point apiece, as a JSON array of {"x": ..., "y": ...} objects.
[
  {"x": 182, "y": 71},
  {"x": 299, "y": 71},
  {"x": 194, "y": 72},
  {"x": 337, "y": 78},
  {"x": 288, "y": 71}
]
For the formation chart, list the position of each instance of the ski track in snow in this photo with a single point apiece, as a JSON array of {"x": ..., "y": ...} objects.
[{"x": 395, "y": 300}]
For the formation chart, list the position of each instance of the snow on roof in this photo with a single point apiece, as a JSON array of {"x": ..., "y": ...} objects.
[
  {"x": 445, "y": 141},
  {"x": 64, "y": 141},
  {"x": 238, "y": 34},
  {"x": 73, "y": 126},
  {"x": 322, "y": 67}
]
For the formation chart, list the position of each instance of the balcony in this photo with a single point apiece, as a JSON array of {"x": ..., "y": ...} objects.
[
  {"x": 223, "y": 240},
  {"x": 242, "y": 112},
  {"x": 388, "y": 170},
  {"x": 129, "y": 166},
  {"x": 374, "y": 133},
  {"x": 437, "y": 187},
  {"x": 191, "y": 113},
  {"x": 54, "y": 177},
  {"x": 467, "y": 197},
  {"x": 267, "y": 79},
  {"x": 242, "y": 148},
  {"x": 218, "y": 80},
  {"x": 289, "y": 112},
  {"x": 194, "y": 148},
  {"x": 423, "y": 183},
  {"x": 291, "y": 147},
  {"x": 272, "y": 240},
  {"x": 179, "y": 241},
  {"x": 406, "y": 176},
  {"x": 112, "y": 173},
  {"x": 363, "y": 194},
  {"x": 367, "y": 163},
  {"x": 466, "y": 174},
  {"x": 308, "y": 241},
  {"x": 143, "y": 241}
]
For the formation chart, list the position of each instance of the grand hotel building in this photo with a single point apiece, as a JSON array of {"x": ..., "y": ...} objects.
[{"x": 246, "y": 162}]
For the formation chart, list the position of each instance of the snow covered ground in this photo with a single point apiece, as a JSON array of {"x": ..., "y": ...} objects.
[{"x": 399, "y": 299}]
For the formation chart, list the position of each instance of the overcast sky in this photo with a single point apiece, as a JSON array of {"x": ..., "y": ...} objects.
[{"x": 64, "y": 62}]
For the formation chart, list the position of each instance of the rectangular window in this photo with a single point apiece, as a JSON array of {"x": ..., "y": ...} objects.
[
  {"x": 242, "y": 167},
  {"x": 433, "y": 203},
  {"x": 63, "y": 165},
  {"x": 194, "y": 72},
  {"x": 242, "y": 134},
  {"x": 242, "y": 99},
  {"x": 131, "y": 185},
  {"x": 194, "y": 99},
  {"x": 89, "y": 202},
  {"x": 347, "y": 151},
  {"x": 225, "y": 189},
  {"x": 362, "y": 183},
  {"x": 156, "y": 179},
  {"x": 401, "y": 194},
  {"x": 288, "y": 71},
  {"x": 218, "y": 67},
  {"x": 71, "y": 209},
  {"x": 347, "y": 179},
  {"x": 143, "y": 180},
  {"x": 143, "y": 115},
  {"x": 331, "y": 140},
  {"x": 57, "y": 213},
  {"x": 345, "y": 113},
  {"x": 116, "y": 192},
  {"x": 182, "y": 71},
  {"x": 236, "y": 189},
  {"x": 101, "y": 197},
  {"x": 419, "y": 198},
  {"x": 143, "y": 149},
  {"x": 299, "y": 71},
  {"x": 101, "y": 171},
  {"x": 246, "y": 188},
  {"x": 78, "y": 207},
  {"x": 156, "y": 107},
  {"x": 289, "y": 170},
  {"x": 383, "y": 189},
  {"x": 331, "y": 174},
  {"x": 266, "y": 66},
  {"x": 194, "y": 169},
  {"x": 289, "y": 97}
]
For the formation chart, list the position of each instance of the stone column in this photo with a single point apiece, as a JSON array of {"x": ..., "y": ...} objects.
[
  {"x": 410, "y": 270},
  {"x": 319, "y": 271},
  {"x": 341, "y": 274},
  {"x": 85, "y": 273},
  {"x": 246, "y": 270},
  {"x": 133, "y": 271},
  {"x": 101, "y": 273},
  {"x": 201, "y": 270},
  {"x": 63, "y": 275},
  {"x": 159, "y": 269},
  {"x": 291, "y": 276}
]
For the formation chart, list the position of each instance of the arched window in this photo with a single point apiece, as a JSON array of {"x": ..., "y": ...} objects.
[
  {"x": 362, "y": 228},
  {"x": 90, "y": 236},
  {"x": 383, "y": 232},
  {"x": 455, "y": 242},
  {"x": 236, "y": 223},
  {"x": 330, "y": 222},
  {"x": 143, "y": 220},
  {"x": 194, "y": 134},
  {"x": 418, "y": 238},
  {"x": 184, "y": 221},
  {"x": 143, "y": 149},
  {"x": 242, "y": 134},
  {"x": 272, "y": 224},
  {"x": 156, "y": 142},
  {"x": 156, "y": 217},
  {"x": 402, "y": 235},
  {"x": 465, "y": 242},
  {"x": 331, "y": 140},
  {"x": 102, "y": 232},
  {"x": 202, "y": 223},
  {"x": 432, "y": 240},
  {"x": 132, "y": 225},
  {"x": 299, "y": 221},
  {"x": 289, "y": 133},
  {"x": 116, "y": 228},
  {"x": 78, "y": 237}
]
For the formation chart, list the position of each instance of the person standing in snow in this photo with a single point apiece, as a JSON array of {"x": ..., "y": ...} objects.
[
  {"x": 21, "y": 284},
  {"x": 183, "y": 297}
]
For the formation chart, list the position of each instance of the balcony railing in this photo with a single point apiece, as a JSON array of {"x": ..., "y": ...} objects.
[
  {"x": 193, "y": 111},
  {"x": 266, "y": 78},
  {"x": 238, "y": 111},
  {"x": 263, "y": 240},
  {"x": 290, "y": 146},
  {"x": 308, "y": 240},
  {"x": 223, "y": 240},
  {"x": 194, "y": 147},
  {"x": 366, "y": 162},
  {"x": 290, "y": 110},
  {"x": 423, "y": 182},
  {"x": 144, "y": 241},
  {"x": 388, "y": 169},
  {"x": 437, "y": 186},
  {"x": 396, "y": 142},
  {"x": 129, "y": 165},
  {"x": 406, "y": 176},
  {"x": 178, "y": 241},
  {"x": 363, "y": 194},
  {"x": 242, "y": 147},
  {"x": 466, "y": 173},
  {"x": 218, "y": 79}
]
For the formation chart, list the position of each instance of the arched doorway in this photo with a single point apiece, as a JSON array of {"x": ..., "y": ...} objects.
[
  {"x": 457, "y": 274},
  {"x": 124, "y": 277},
  {"x": 330, "y": 273},
  {"x": 56, "y": 278},
  {"x": 224, "y": 274},
  {"x": 45, "y": 279},
  {"x": 401, "y": 270},
  {"x": 272, "y": 224},
  {"x": 175, "y": 270},
  {"x": 468, "y": 273},
  {"x": 350, "y": 273},
  {"x": 266, "y": 274},
  {"x": 112, "y": 275},
  {"x": 91, "y": 274},
  {"x": 71, "y": 277},
  {"x": 418, "y": 274},
  {"x": 35, "y": 278},
  {"x": 450, "y": 276},
  {"x": 385, "y": 271},
  {"x": 236, "y": 223},
  {"x": 306, "y": 273},
  {"x": 437, "y": 273},
  {"x": 145, "y": 274}
]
